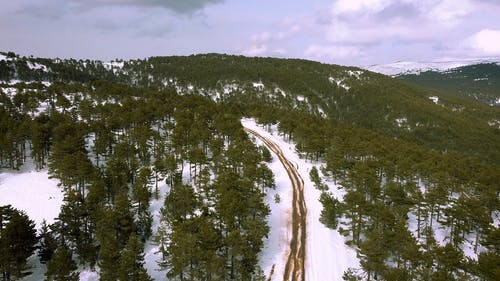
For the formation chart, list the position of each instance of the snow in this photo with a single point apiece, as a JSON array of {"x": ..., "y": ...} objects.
[
  {"x": 88, "y": 275},
  {"x": 339, "y": 82},
  {"x": 434, "y": 99},
  {"x": 33, "y": 192},
  {"x": 497, "y": 101},
  {"x": 230, "y": 88},
  {"x": 113, "y": 65},
  {"x": 280, "y": 91},
  {"x": 258, "y": 85},
  {"x": 3, "y": 57},
  {"x": 401, "y": 121},
  {"x": 327, "y": 256},
  {"x": 355, "y": 73},
  {"x": 481, "y": 79},
  {"x": 494, "y": 123},
  {"x": 301, "y": 98},
  {"x": 152, "y": 253},
  {"x": 37, "y": 66}
]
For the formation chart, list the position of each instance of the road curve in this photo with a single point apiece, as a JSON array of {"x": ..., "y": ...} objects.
[{"x": 294, "y": 268}]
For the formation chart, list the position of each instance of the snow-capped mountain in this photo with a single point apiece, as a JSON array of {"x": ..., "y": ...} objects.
[{"x": 411, "y": 67}]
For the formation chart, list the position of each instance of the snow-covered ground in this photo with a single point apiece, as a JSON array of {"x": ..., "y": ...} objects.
[
  {"x": 38, "y": 196},
  {"x": 32, "y": 192},
  {"x": 327, "y": 255},
  {"x": 152, "y": 253}
]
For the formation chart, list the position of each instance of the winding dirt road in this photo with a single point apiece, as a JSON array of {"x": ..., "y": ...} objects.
[{"x": 294, "y": 268}]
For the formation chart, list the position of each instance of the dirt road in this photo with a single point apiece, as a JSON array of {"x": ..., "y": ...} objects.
[{"x": 294, "y": 268}]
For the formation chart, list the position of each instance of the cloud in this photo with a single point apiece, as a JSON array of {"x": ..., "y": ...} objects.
[
  {"x": 259, "y": 45},
  {"x": 255, "y": 50},
  {"x": 356, "y": 6},
  {"x": 449, "y": 12},
  {"x": 56, "y": 9},
  {"x": 485, "y": 42},
  {"x": 179, "y": 6},
  {"x": 331, "y": 52}
]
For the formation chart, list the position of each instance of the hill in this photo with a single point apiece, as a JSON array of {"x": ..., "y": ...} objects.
[{"x": 350, "y": 95}]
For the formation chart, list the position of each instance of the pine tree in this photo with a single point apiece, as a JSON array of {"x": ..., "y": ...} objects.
[
  {"x": 131, "y": 262},
  {"x": 109, "y": 251},
  {"x": 48, "y": 243},
  {"x": 17, "y": 242},
  {"x": 62, "y": 267}
]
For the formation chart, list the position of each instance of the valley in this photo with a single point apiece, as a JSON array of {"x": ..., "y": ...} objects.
[{"x": 164, "y": 163}]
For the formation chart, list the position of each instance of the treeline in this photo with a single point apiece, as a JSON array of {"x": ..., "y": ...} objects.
[
  {"x": 111, "y": 146},
  {"x": 31, "y": 69},
  {"x": 412, "y": 213}
]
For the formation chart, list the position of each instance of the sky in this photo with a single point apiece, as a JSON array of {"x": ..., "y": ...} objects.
[{"x": 347, "y": 32}]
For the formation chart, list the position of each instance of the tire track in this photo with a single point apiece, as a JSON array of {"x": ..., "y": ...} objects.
[{"x": 294, "y": 268}]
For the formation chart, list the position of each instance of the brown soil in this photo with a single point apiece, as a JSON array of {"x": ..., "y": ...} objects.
[{"x": 294, "y": 268}]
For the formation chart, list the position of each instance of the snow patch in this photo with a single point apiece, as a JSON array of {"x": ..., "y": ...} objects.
[
  {"x": 402, "y": 123},
  {"x": 152, "y": 254},
  {"x": 37, "y": 66},
  {"x": 258, "y": 85},
  {"x": 280, "y": 91},
  {"x": 434, "y": 99},
  {"x": 230, "y": 88},
  {"x": 113, "y": 65},
  {"x": 481, "y": 79},
  {"x": 339, "y": 82},
  {"x": 494, "y": 123},
  {"x": 355, "y": 73},
  {"x": 33, "y": 192}
]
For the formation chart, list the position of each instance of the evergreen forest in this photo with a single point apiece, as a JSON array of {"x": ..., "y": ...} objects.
[{"x": 111, "y": 133}]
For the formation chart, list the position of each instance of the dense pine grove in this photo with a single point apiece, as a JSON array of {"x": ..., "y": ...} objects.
[{"x": 111, "y": 134}]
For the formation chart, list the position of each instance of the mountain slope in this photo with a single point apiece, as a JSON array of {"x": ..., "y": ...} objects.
[
  {"x": 347, "y": 94},
  {"x": 479, "y": 82}
]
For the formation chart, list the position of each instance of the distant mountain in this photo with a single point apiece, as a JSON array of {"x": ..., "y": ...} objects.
[
  {"x": 414, "y": 67},
  {"x": 480, "y": 82}
]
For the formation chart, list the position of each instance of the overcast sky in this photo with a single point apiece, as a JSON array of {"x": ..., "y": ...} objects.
[{"x": 350, "y": 32}]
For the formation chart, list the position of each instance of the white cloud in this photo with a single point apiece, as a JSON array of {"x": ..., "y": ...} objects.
[
  {"x": 486, "y": 42},
  {"x": 331, "y": 52},
  {"x": 262, "y": 38},
  {"x": 353, "y": 6},
  {"x": 255, "y": 50},
  {"x": 449, "y": 12}
]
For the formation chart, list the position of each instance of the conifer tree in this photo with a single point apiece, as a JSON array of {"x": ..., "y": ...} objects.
[
  {"x": 47, "y": 244},
  {"x": 62, "y": 267},
  {"x": 17, "y": 242},
  {"x": 131, "y": 262},
  {"x": 109, "y": 251}
]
